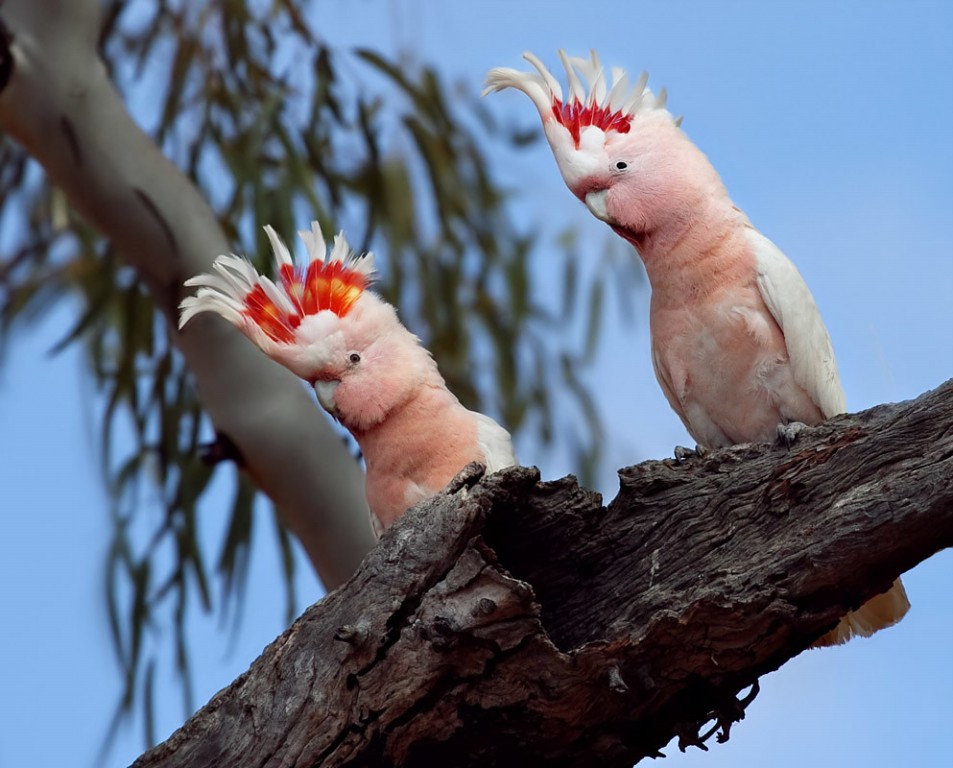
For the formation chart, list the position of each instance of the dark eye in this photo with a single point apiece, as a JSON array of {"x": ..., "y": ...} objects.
[
  {"x": 621, "y": 165},
  {"x": 354, "y": 358}
]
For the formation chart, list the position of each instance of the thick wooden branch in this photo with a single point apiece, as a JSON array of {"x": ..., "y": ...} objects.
[
  {"x": 57, "y": 101},
  {"x": 517, "y": 623}
]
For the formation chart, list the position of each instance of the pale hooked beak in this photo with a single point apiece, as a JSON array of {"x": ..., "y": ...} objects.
[
  {"x": 325, "y": 391},
  {"x": 596, "y": 202}
]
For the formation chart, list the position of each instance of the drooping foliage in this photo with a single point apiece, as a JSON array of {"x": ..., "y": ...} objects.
[{"x": 276, "y": 125}]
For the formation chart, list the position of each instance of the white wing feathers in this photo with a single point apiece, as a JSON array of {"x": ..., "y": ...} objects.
[
  {"x": 495, "y": 442},
  {"x": 809, "y": 345}
]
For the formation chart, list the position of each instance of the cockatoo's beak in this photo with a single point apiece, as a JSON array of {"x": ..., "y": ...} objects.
[
  {"x": 325, "y": 391},
  {"x": 596, "y": 202}
]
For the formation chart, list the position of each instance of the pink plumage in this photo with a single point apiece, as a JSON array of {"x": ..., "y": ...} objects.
[
  {"x": 368, "y": 371},
  {"x": 738, "y": 344}
]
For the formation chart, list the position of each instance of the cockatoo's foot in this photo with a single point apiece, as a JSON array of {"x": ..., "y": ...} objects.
[
  {"x": 787, "y": 433},
  {"x": 730, "y": 711},
  {"x": 682, "y": 453}
]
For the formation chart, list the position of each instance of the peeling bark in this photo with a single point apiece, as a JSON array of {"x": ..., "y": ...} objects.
[
  {"x": 57, "y": 101},
  {"x": 509, "y": 622}
]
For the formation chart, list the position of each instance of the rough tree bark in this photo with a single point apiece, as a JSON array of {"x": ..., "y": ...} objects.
[
  {"x": 510, "y": 622},
  {"x": 57, "y": 101}
]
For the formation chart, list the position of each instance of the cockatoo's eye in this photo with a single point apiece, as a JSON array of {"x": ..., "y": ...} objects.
[
  {"x": 354, "y": 357},
  {"x": 621, "y": 165}
]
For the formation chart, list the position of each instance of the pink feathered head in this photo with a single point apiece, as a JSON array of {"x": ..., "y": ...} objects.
[{"x": 596, "y": 113}]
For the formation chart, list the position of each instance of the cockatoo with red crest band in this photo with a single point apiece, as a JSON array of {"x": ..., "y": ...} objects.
[
  {"x": 367, "y": 369},
  {"x": 738, "y": 344}
]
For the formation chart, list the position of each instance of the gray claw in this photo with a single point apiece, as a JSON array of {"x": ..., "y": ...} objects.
[
  {"x": 682, "y": 453},
  {"x": 788, "y": 433}
]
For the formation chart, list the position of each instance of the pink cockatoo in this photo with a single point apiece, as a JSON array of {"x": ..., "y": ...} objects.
[
  {"x": 738, "y": 344},
  {"x": 367, "y": 369}
]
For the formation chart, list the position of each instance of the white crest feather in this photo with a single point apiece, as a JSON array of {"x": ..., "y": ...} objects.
[
  {"x": 314, "y": 243},
  {"x": 222, "y": 291},
  {"x": 278, "y": 247},
  {"x": 591, "y": 70},
  {"x": 549, "y": 80},
  {"x": 577, "y": 91}
]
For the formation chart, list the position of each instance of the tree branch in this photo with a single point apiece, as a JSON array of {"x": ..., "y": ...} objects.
[
  {"x": 520, "y": 623},
  {"x": 57, "y": 101}
]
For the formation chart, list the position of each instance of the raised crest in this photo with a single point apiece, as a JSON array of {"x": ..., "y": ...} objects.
[
  {"x": 606, "y": 103},
  {"x": 333, "y": 281}
]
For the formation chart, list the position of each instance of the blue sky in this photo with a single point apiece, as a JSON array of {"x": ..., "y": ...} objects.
[{"x": 832, "y": 126}]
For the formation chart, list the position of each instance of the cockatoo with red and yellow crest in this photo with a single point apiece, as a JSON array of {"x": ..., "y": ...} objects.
[
  {"x": 738, "y": 344},
  {"x": 367, "y": 369}
]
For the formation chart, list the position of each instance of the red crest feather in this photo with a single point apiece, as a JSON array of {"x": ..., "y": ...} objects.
[
  {"x": 575, "y": 115},
  {"x": 331, "y": 286}
]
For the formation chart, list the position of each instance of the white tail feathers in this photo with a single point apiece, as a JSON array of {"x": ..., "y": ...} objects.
[{"x": 878, "y": 613}]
